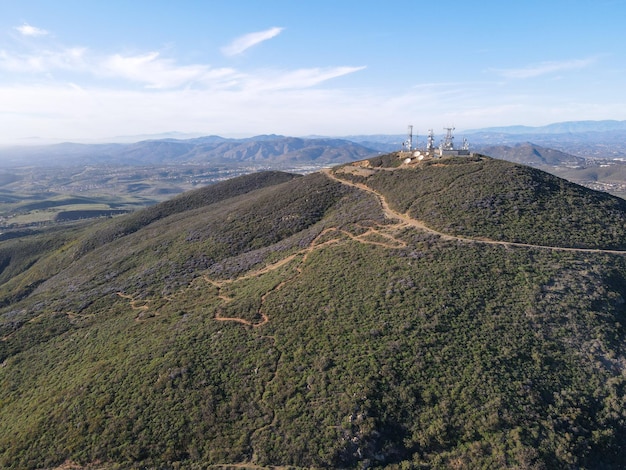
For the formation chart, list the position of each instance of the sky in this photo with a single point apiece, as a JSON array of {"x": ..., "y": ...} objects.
[{"x": 98, "y": 70}]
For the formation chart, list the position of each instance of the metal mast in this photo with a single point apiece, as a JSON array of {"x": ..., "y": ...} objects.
[
  {"x": 430, "y": 145},
  {"x": 448, "y": 143},
  {"x": 409, "y": 141}
]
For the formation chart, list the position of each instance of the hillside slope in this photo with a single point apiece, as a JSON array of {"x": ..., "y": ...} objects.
[{"x": 313, "y": 322}]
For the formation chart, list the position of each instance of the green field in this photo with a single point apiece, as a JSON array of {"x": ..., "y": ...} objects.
[{"x": 41, "y": 209}]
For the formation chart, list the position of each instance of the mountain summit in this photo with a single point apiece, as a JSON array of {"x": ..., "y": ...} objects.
[{"x": 455, "y": 313}]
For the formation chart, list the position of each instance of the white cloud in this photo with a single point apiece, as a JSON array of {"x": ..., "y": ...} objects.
[
  {"x": 161, "y": 73},
  {"x": 245, "y": 42},
  {"x": 154, "y": 71},
  {"x": 28, "y": 30},
  {"x": 302, "y": 78},
  {"x": 43, "y": 61},
  {"x": 149, "y": 69},
  {"x": 545, "y": 68}
]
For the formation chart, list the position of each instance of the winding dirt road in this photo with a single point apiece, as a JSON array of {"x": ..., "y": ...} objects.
[{"x": 406, "y": 220}]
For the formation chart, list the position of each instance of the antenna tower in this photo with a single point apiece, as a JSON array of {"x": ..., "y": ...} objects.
[
  {"x": 409, "y": 141},
  {"x": 448, "y": 143},
  {"x": 430, "y": 145}
]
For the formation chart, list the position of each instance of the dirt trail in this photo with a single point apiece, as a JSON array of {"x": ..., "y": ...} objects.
[
  {"x": 377, "y": 235},
  {"x": 315, "y": 244},
  {"x": 140, "y": 305},
  {"x": 406, "y": 220}
]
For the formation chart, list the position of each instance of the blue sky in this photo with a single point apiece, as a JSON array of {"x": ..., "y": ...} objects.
[{"x": 94, "y": 70}]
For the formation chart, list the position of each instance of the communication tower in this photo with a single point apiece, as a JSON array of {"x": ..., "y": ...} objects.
[
  {"x": 448, "y": 143},
  {"x": 408, "y": 143},
  {"x": 430, "y": 143}
]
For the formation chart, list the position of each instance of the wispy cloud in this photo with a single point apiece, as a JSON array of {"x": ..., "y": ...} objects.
[
  {"x": 44, "y": 61},
  {"x": 148, "y": 69},
  {"x": 156, "y": 72},
  {"x": 28, "y": 30},
  {"x": 545, "y": 68},
  {"x": 151, "y": 70},
  {"x": 302, "y": 78},
  {"x": 245, "y": 42},
  {"x": 162, "y": 73}
]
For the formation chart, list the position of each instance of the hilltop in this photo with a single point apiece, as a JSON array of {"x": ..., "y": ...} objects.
[{"x": 460, "y": 312}]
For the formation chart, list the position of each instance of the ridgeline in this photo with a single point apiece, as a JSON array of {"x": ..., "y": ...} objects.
[{"x": 457, "y": 313}]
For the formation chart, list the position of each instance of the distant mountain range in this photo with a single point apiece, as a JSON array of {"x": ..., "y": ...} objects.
[
  {"x": 588, "y": 139},
  {"x": 575, "y": 140},
  {"x": 531, "y": 154},
  {"x": 274, "y": 149},
  {"x": 568, "y": 127}
]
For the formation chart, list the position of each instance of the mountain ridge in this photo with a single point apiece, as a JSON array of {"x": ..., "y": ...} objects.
[
  {"x": 528, "y": 153},
  {"x": 202, "y": 150},
  {"x": 339, "y": 319},
  {"x": 565, "y": 127},
  {"x": 582, "y": 139}
]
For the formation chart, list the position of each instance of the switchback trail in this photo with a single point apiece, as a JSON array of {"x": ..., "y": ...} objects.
[
  {"x": 317, "y": 243},
  {"x": 406, "y": 220},
  {"x": 374, "y": 235}
]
